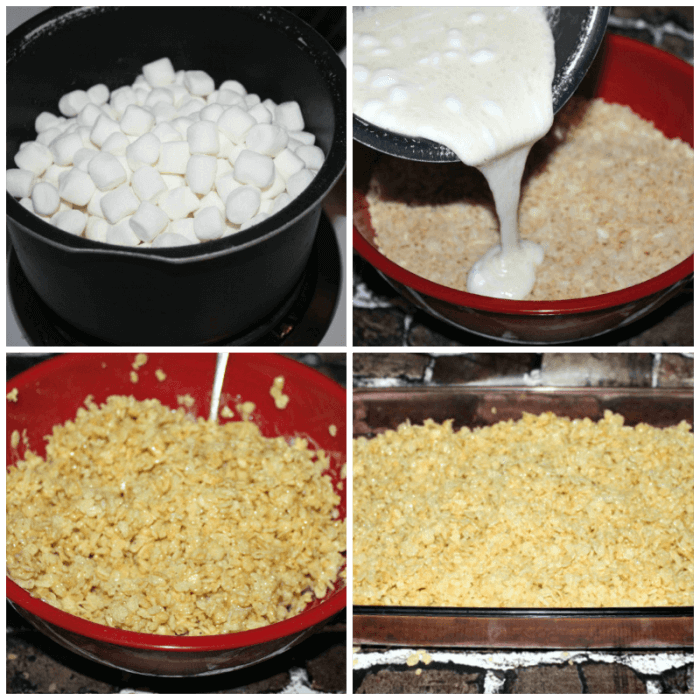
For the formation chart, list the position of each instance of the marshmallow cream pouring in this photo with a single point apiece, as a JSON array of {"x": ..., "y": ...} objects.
[{"x": 477, "y": 80}]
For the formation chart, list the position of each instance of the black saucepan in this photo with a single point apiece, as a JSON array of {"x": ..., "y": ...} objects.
[{"x": 193, "y": 294}]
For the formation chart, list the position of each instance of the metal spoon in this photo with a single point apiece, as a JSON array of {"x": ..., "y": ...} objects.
[
  {"x": 219, "y": 374},
  {"x": 578, "y": 33}
]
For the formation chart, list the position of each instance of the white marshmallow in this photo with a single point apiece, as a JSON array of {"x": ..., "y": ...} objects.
[
  {"x": 146, "y": 150},
  {"x": 312, "y": 156},
  {"x": 35, "y": 157},
  {"x": 242, "y": 204},
  {"x": 96, "y": 229},
  {"x": 122, "y": 234},
  {"x": 233, "y": 85},
  {"x": 203, "y": 138},
  {"x": 298, "y": 182},
  {"x": 208, "y": 224},
  {"x": 98, "y": 94},
  {"x": 147, "y": 183},
  {"x": 268, "y": 139},
  {"x": 76, "y": 187},
  {"x": 234, "y": 123},
  {"x": 136, "y": 120},
  {"x": 288, "y": 163},
  {"x": 174, "y": 156},
  {"x": 119, "y": 203},
  {"x": 178, "y": 203},
  {"x": 280, "y": 202},
  {"x": 288, "y": 115},
  {"x": 163, "y": 156},
  {"x": 201, "y": 173},
  {"x": 116, "y": 144},
  {"x": 170, "y": 240},
  {"x": 198, "y": 82},
  {"x": 121, "y": 98},
  {"x": 71, "y": 220},
  {"x": 89, "y": 115},
  {"x": 103, "y": 128},
  {"x": 45, "y": 199},
  {"x": 148, "y": 221},
  {"x": 253, "y": 168},
  {"x": 258, "y": 218},
  {"x": 45, "y": 121},
  {"x": 159, "y": 73},
  {"x": 71, "y": 104},
  {"x": 183, "y": 227},
  {"x": 20, "y": 182},
  {"x": 106, "y": 171}
]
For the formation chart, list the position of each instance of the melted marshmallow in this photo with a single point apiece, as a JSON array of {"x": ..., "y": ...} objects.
[{"x": 477, "y": 80}]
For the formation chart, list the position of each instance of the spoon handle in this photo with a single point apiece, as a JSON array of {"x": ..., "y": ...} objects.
[{"x": 221, "y": 360}]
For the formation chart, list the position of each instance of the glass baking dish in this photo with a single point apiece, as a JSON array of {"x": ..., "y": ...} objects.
[{"x": 376, "y": 410}]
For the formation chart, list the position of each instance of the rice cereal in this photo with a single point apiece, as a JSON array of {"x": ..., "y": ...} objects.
[
  {"x": 145, "y": 519},
  {"x": 542, "y": 512}
]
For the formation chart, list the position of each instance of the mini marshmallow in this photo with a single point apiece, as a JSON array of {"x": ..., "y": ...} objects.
[
  {"x": 118, "y": 203},
  {"x": 261, "y": 114},
  {"x": 253, "y": 168},
  {"x": 198, "y": 82},
  {"x": 71, "y": 221},
  {"x": 116, "y": 144},
  {"x": 234, "y": 123},
  {"x": 71, "y": 104},
  {"x": 174, "y": 156},
  {"x": 268, "y": 139},
  {"x": 96, "y": 229},
  {"x": 146, "y": 150},
  {"x": 288, "y": 163},
  {"x": 106, "y": 171},
  {"x": 148, "y": 221},
  {"x": 288, "y": 115},
  {"x": 159, "y": 73},
  {"x": 121, "y": 98},
  {"x": 304, "y": 136},
  {"x": 203, "y": 138},
  {"x": 179, "y": 203},
  {"x": 98, "y": 94},
  {"x": 280, "y": 202},
  {"x": 183, "y": 227},
  {"x": 76, "y": 187},
  {"x": 158, "y": 155},
  {"x": 159, "y": 95},
  {"x": 20, "y": 182},
  {"x": 208, "y": 224},
  {"x": 200, "y": 173},
  {"x": 298, "y": 182},
  {"x": 45, "y": 121},
  {"x": 258, "y": 218},
  {"x": 102, "y": 129},
  {"x": 312, "y": 156},
  {"x": 45, "y": 199},
  {"x": 170, "y": 240},
  {"x": 242, "y": 204},
  {"x": 233, "y": 85},
  {"x": 89, "y": 115},
  {"x": 147, "y": 183},
  {"x": 122, "y": 234},
  {"x": 212, "y": 199},
  {"x": 136, "y": 120},
  {"x": 35, "y": 157}
]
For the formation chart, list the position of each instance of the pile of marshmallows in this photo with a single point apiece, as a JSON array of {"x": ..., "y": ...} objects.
[{"x": 167, "y": 161}]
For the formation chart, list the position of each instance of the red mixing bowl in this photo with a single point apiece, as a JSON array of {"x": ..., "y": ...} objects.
[
  {"x": 50, "y": 393},
  {"x": 659, "y": 88}
]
